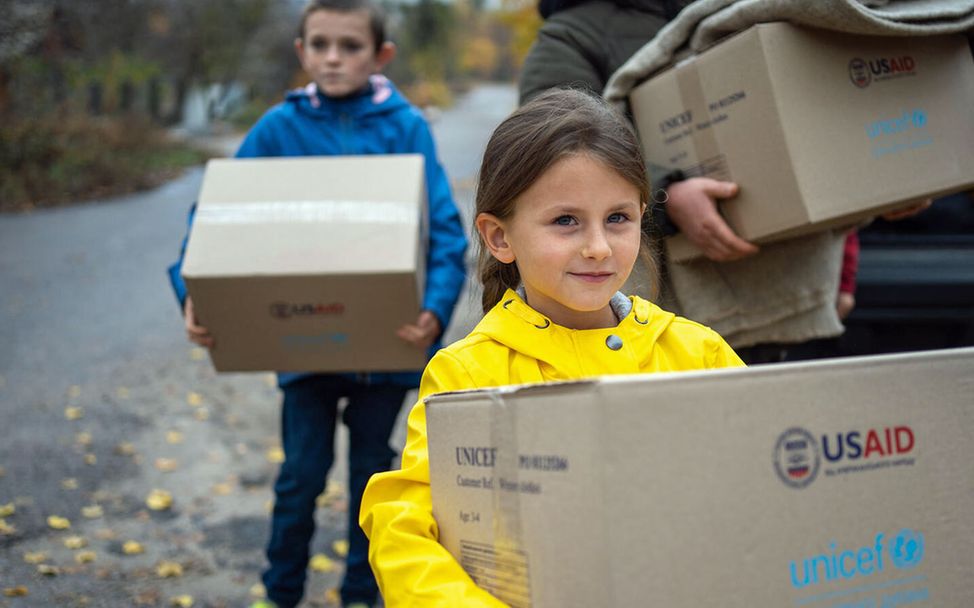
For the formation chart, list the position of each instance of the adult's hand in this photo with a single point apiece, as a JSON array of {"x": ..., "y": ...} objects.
[
  {"x": 423, "y": 332},
  {"x": 915, "y": 208},
  {"x": 692, "y": 206},
  {"x": 196, "y": 332}
]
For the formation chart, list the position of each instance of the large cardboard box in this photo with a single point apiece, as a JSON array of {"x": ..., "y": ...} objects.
[
  {"x": 834, "y": 483},
  {"x": 310, "y": 264},
  {"x": 819, "y": 129}
]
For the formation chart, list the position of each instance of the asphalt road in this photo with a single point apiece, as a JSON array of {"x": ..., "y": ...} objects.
[{"x": 102, "y": 401}]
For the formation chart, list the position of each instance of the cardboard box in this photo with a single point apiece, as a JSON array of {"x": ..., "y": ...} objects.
[
  {"x": 819, "y": 129},
  {"x": 310, "y": 264},
  {"x": 835, "y": 483}
]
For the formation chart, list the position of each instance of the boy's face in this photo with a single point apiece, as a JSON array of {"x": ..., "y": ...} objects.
[{"x": 338, "y": 51}]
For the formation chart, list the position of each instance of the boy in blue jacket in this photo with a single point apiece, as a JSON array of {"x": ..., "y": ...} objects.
[{"x": 347, "y": 109}]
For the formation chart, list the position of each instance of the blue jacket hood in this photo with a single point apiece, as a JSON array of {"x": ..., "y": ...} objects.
[{"x": 379, "y": 97}]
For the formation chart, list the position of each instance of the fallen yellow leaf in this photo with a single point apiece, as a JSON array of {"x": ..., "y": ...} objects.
[
  {"x": 166, "y": 465},
  {"x": 75, "y": 542},
  {"x": 6, "y": 529},
  {"x": 174, "y": 437},
  {"x": 223, "y": 489},
  {"x": 122, "y": 392},
  {"x": 58, "y": 523},
  {"x": 74, "y": 412},
  {"x": 35, "y": 557},
  {"x": 7, "y": 510},
  {"x": 181, "y": 601},
  {"x": 197, "y": 354},
  {"x": 18, "y": 591},
  {"x": 158, "y": 500},
  {"x": 194, "y": 399},
  {"x": 85, "y": 557},
  {"x": 201, "y": 414},
  {"x": 48, "y": 570},
  {"x": 258, "y": 591},
  {"x": 92, "y": 512},
  {"x": 130, "y": 547},
  {"x": 74, "y": 391},
  {"x": 169, "y": 570},
  {"x": 83, "y": 438},
  {"x": 332, "y": 597},
  {"x": 322, "y": 563},
  {"x": 275, "y": 455},
  {"x": 340, "y": 547},
  {"x": 125, "y": 449},
  {"x": 69, "y": 483},
  {"x": 106, "y": 534},
  {"x": 91, "y": 459}
]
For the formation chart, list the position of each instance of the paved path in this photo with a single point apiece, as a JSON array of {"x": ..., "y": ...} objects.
[{"x": 102, "y": 400}]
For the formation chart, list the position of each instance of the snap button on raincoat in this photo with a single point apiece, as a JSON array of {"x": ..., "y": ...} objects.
[{"x": 513, "y": 344}]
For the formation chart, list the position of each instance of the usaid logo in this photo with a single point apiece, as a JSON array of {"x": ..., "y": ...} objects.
[
  {"x": 859, "y": 73},
  {"x": 862, "y": 72},
  {"x": 904, "y": 550},
  {"x": 287, "y": 310},
  {"x": 796, "y": 457}
]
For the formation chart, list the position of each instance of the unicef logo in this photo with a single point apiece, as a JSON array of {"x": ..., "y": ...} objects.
[
  {"x": 919, "y": 119},
  {"x": 796, "y": 458},
  {"x": 906, "y": 549},
  {"x": 859, "y": 73}
]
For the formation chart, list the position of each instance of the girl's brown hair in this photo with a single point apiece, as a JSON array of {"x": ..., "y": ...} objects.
[{"x": 557, "y": 123}]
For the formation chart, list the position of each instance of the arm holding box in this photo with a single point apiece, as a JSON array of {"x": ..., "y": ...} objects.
[{"x": 410, "y": 565}]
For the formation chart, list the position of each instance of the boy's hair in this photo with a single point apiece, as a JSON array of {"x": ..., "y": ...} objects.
[
  {"x": 558, "y": 123},
  {"x": 377, "y": 17}
]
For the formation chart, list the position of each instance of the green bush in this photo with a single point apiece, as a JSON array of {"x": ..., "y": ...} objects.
[{"x": 54, "y": 160}]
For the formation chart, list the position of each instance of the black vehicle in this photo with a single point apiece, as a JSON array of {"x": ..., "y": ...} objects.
[{"x": 915, "y": 287}]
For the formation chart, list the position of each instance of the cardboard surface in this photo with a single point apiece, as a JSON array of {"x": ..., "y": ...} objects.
[
  {"x": 309, "y": 264},
  {"x": 835, "y": 483},
  {"x": 819, "y": 129}
]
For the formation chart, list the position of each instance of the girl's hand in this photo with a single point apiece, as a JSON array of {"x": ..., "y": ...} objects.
[
  {"x": 692, "y": 206},
  {"x": 422, "y": 333},
  {"x": 196, "y": 333}
]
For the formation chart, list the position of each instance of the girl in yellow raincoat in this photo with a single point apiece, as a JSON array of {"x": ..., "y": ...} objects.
[{"x": 562, "y": 192}]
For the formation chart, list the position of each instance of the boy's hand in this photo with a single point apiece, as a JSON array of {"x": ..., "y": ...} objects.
[
  {"x": 692, "y": 206},
  {"x": 422, "y": 333},
  {"x": 196, "y": 333}
]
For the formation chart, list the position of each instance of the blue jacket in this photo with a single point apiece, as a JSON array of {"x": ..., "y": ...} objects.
[{"x": 379, "y": 121}]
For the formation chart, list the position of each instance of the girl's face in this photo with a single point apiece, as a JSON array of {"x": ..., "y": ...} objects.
[
  {"x": 338, "y": 51},
  {"x": 574, "y": 236}
]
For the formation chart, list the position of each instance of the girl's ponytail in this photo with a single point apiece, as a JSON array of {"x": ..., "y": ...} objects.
[{"x": 496, "y": 277}]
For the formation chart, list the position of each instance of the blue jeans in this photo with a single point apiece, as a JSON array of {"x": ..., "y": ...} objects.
[{"x": 308, "y": 421}]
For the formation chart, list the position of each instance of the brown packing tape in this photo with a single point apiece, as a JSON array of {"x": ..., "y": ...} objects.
[
  {"x": 268, "y": 212},
  {"x": 511, "y": 583}
]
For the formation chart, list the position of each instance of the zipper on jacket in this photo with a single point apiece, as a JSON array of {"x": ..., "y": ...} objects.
[{"x": 346, "y": 133}]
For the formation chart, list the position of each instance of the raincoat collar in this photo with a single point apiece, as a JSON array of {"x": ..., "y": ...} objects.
[{"x": 577, "y": 352}]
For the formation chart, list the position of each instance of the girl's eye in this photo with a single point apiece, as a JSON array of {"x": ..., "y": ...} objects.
[
  {"x": 351, "y": 47},
  {"x": 318, "y": 44},
  {"x": 618, "y": 218},
  {"x": 565, "y": 220}
]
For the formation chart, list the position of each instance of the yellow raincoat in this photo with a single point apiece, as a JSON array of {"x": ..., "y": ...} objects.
[{"x": 513, "y": 344}]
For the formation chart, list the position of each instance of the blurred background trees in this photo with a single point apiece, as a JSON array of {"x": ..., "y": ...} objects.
[{"x": 88, "y": 87}]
